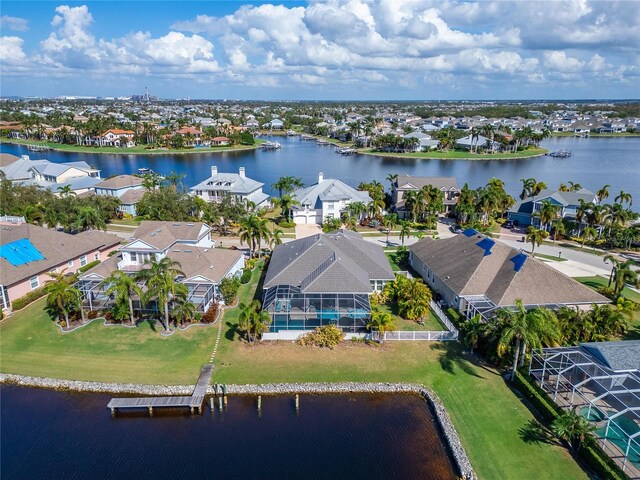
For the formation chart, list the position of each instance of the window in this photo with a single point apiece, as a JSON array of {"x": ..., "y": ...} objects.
[
  {"x": 134, "y": 257},
  {"x": 330, "y": 206},
  {"x": 70, "y": 263},
  {"x": 83, "y": 260},
  {"x": 35, "y": 282}
]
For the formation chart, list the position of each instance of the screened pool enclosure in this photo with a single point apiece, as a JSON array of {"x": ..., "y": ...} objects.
[{"x": 291, "y": 309}]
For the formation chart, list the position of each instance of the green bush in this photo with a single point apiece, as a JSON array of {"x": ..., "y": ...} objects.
[
  {"x": 246, "y": 276},
  {"x": 331, "y": 225},
  {"x": 32, "y": 296},
  {"x": 326, "y": 336},
  {"x": 454, "y": 316},
  {"x": 88, "y": 266},
  {"x": 229, "y": 289},
  {"x": 590, "y": 453},
  {"x": 286, "y": 223}
]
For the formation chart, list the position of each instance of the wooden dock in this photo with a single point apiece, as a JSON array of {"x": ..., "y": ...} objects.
[{"x": 193, "y": 402}]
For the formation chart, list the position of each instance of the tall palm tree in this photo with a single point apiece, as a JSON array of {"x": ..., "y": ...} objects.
[
  {"x": 528, "y": 328},
  {"x": 572, "y": 428},
  {"x": 33, "y": 214},
  {"x": 603, "y": 193},
  {"x": 381, "y": 322},
  {"x": 473, "y": 329},
  {"x": 405, "y": 230},
  {"x": 389, "y": 221},
  {"x": 558, "y": 228},
  {"x": 392, "y": 178},
  {"x": 622, "y": 274},
  {"x": 174, "y": 179},
  {"x": 357, "y": 210},
  {"x": 275, "y": 238},
  {"x": 589, "y": 233},
  {"x": 122, "y": 287},
  {"x": 65, "y": 191},
  {"x": 63, "y": 298},
  {"x": 535, "y": 237},
  {"x": 89, "y": 217},
  {"x": 286, "y": 202},
  {"x": 548, "y": 213},
  {"x": 253, "y": 230},
  {"x": 159, "y": 277},
  {"x": 253, "y": 320},
  {"x": 624, "y": 197}
]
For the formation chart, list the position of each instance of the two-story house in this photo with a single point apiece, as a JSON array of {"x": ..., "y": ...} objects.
[
  {"x": 128, "y": 188},
  {"x": 326, "y": 199},
  {"x": 188, "y": 244},
  {"x": 116, "y": 137},
  {"x": 526, "y": 212},
  {"x": 238, "y": 185},
  {"x": 407, "y": 183}
]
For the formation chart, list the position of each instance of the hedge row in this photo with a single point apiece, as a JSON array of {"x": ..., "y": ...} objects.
[
  {"x": 32, "y": 296},
  {"x": 590, "y": 453},
  {"x": 88, "y": 266}
]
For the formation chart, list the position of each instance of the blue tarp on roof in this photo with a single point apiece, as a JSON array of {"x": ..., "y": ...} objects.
[
  {"x": 20, "y": 252},
  {"x": 486, "y": 244},
  {"x": 518, "y": 261},
  {"x": 470, "y": 232}
]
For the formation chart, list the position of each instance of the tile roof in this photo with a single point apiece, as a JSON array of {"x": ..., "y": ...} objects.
[
  {"x": 329, "y": 190},
  {"x": 471, "y": 265},
  {"x": 336, "y": 262},
  {"x": 56, "y": 247}
]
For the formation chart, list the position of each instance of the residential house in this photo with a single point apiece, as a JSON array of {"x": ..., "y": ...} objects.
[
  {"x": 191, "y": 135},
  {"x": 220, "y": 141},
  {"x": 407, "y": 183},
  {"x": 526, "y": 212},
  {"x": 475, "y": 274},
  {"x": 275, "y": 124},
  {"x": 478, "y": 142},
  {"x": 425, "y": 142},
  {"x": 238, "y": 185},
  {"x": 189, "y": 244},
  {"x": 326, "y": 199},
  {"x": 325, "y": 279},
  {"x": 128, "y": 188},
  {"x": 116, "y": 137},
  {"x": 28, "y": 253}
]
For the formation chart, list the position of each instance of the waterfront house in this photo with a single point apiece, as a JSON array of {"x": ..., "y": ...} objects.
[
  {"x": 425, "y": 142},
  {"x": 407, "y": 183},
  {"x": 220, "y": 141},
  {"x": 79, "y": 176},
  {"x": 29, "y": 252},
  {"x": 476, "y": 274},
  {"x": 238, "y": 185},
  {"x": 478, "y": 142},
  {"x": 326, "y": 199},
  {"x": 116, "y": 137},
  {"x": 526, "y": 212},
  {"x": 323, "y": 279},
  {"x": 128, "y": 188},
  {"x": 275, "y": 124},
  {"x": 191, "y": 135},
  {"x": 188, "y": 243}
]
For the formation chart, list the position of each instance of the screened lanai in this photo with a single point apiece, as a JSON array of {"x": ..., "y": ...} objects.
[
  {"x": 598, "y": 381},
  {"x": 291, "y": 309}
]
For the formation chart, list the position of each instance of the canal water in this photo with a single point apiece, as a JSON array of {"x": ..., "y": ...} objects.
[
  {"x": 595, "y": 162},
  {"x": 47, "y": 434}
]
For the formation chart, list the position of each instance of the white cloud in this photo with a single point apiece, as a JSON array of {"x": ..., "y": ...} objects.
[
  {"x": 16, "y": 24},
  {"x": 11, "y": 51}
]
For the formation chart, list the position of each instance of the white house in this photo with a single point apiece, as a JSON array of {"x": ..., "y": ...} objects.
[
  {"x": 117, "y": 138},
  {"x": 128, "y": 188},
  {"x": 326, "y": 199},
  {"x": 214, "y": 188}
]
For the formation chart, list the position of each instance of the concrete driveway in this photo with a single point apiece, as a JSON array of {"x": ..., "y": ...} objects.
[{"x": 307, "y": 230}]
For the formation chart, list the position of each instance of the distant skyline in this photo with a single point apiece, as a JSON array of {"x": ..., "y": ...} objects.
[{"x": 330, "y": 50}]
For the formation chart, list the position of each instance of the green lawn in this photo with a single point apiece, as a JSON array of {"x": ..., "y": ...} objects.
[
  {"x": 31, "y": 344},
  {"x": 550, "y": 257},
  {"x": 487, "y": 415},
  {"x": 128, "y": 151},
  {"x": 460, "y": 155}
]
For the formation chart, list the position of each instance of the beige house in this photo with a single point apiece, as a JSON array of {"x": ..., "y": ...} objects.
[{"x": 28, "y": 253}]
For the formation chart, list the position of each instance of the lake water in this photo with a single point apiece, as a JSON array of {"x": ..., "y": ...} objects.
[
  {"x": 595, "y": 162},
  {"x": 47, "y": 434}
]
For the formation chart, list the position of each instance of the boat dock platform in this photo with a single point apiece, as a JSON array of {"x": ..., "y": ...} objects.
[{"x": 193, "y": 402}]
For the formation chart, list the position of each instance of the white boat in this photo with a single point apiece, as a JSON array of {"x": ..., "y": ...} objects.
[
  {"x": 270, "y": 146},
  {"x": 323, "y": 142},
  {"x": 38, "y": 148},
  {"x": 346, "y": 151},
  {"x": 291, "y": 133},
  {"x": 145, "y": 171}
]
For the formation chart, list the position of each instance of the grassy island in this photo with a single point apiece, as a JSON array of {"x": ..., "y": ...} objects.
[{"x": 137, "y": 150}]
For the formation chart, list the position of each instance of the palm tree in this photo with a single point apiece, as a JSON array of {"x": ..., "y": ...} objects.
[
  {"x": 253, "y": 320},
  {"x": 535, "y": 236},
  {"x": 33, "y": 214},
  {"x": 548, "y": 213},
  {"x": 123, "y": 287},
  {"x": 66, "y": 191},
  {"x": 286, "y": 202},
  {"x": 63, "y": 297},
  {"x": 624, "y": 197},
  {"x": 175, "y": 179},
  {"x": 589, "y": 233},
  {"x": 389, "y": 221},
  {"x": 392, "y": 178},
  {"x": 159, "y": 276},
  {"x": 572, "y": 428},
  {"x": 603, "y": 193},
  {"x": 623, "y": 274},
  {"x": 526, "y": 327},
  {"x": 356, "y": 209},
  {"x": 253, "y": 230},
  {"x": 413, "y": 204},
  {"x": 88, "y": 218},
  {"x": 405, "y": 230},
  {"x": 558, "y": 228},
  {"x": 381, "y": 322},
  {"x": 275, "y": 238},
  {"x": 183, "y": 309},
  {"x": 473, "y": 328}
]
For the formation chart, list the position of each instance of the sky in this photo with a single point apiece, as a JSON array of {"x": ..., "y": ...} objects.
[{"x": 322, "y": 50}]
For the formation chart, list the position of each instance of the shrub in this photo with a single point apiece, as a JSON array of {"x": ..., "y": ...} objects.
[
  {"x": 286, "y": 223},
  {"x": 32, "y": 296},
  {"x": 211, "y": 314},
  {"x": 229, "y": 289},
  {"x": 326, "y": 336},
  {"x": 250, "y": 264},
  {"x": 331, "y": 225},
  {"x": 246, "y": 276},
  {"x": 88, "y": 266}
]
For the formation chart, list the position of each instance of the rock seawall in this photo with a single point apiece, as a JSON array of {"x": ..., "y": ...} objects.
[{"x": 456, "y": 449}]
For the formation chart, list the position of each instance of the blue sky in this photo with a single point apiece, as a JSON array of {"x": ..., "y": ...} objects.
[{"x": 334, "y": 49}]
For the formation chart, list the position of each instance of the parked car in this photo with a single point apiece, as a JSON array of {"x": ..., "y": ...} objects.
[
  {"x": 509, "y": 224},
  {"x": 456, "y": 228}
]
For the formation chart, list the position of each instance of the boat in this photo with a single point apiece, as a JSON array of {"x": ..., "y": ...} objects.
[
  {"x": 270, "y": 146},
  {"x": 291, "y": 133},
  {"x": 38, "y": 148},
  {"x": 581, "y": 135},
  {"x": 145, "y": 171},
  {"x": 346, "y": 151},
  {"x": 323, "y": 142},
  {"x": 307, "y": 137},
  {"x": 560, "y": 154}
]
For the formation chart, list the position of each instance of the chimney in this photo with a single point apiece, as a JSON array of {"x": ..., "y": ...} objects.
[
  {"x": 214, "y": 171},
  {"x": 320, "y": 177},
  {"x": 241, "y": 172}
]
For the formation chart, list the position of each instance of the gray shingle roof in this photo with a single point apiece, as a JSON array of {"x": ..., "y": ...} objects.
[
  {"x": 164, "y": 234},
  {"x": 229, "y": 182},
  {"x": 329, "y": 190},
  {"x": 407, "y": 181},
  {"x": 468, "y": 269},
  {"x": 562, "y": 198},
  {"x": 341, "y": 262},
  {"x": 120, "y": 181},
  {"x": 618, "y": 356}
]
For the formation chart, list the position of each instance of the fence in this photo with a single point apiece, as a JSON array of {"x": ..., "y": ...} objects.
[
  {"x": 444, "y": 335},
  {"x": 11, "y": 219}
]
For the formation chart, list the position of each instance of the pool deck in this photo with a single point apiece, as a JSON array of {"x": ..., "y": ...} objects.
[{"x": 196, "y": 400}]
